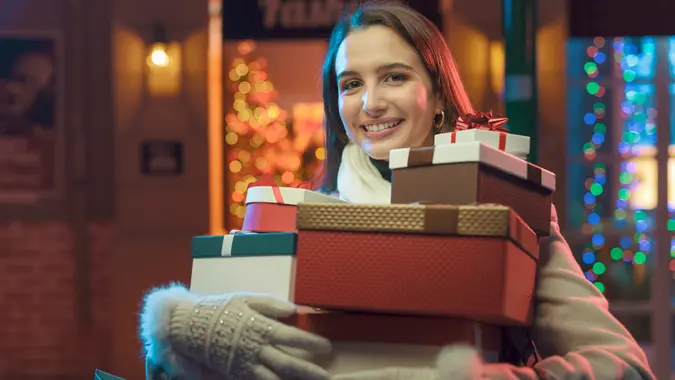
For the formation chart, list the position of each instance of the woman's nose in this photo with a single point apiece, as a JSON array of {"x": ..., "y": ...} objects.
[{"x": 373, "y": 102}]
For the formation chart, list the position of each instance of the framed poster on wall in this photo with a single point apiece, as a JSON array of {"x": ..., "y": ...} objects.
[{"x": 31, "y": 117}]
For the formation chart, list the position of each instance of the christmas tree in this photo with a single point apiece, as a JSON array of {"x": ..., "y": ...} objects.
[{"x": 261, "y": 137}]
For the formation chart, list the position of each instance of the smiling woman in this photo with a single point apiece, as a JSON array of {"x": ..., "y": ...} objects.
[{"x": 389, "y": 81}]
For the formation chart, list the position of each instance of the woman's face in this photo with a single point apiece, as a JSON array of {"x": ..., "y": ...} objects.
[{"x": 386, "y": 97}]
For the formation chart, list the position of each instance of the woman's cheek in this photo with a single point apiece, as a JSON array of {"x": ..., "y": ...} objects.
[
  {"x": 421, "y": 98},
  {"x": 349, "y": 112}
]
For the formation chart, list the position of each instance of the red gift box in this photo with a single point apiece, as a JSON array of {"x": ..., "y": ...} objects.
[
  {"x": 476, "y": 262},
  {"x": 390, "y": 328},
  {"x": 340, "y": 326},
  {"x": 272, "y": 208},
  {"x": 365, "y": 341}
]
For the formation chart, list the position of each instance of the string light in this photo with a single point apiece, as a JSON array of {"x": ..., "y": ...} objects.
[
  {"x": 634, "y": 59},
  {"x": 595, "y": 184},
  {"x": 261, "y": 137}
]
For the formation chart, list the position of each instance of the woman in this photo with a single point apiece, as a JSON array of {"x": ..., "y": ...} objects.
[{"x": 389, "y": 82}]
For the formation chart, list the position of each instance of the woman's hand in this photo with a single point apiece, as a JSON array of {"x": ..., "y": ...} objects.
[{"x": 234, "y": 334}]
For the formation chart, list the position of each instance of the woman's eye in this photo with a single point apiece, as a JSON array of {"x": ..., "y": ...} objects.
[
  {"x": 396, "y": 77},
  {"x": 350, "y": 85}
]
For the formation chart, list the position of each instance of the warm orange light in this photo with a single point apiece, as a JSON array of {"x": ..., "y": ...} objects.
[
  {"x": 320, "y": 153},
  {"x": 644, "y": 193},
  {"x": 287, "y": 177},
  {"x": 159, "y": 55},
  {"x": 497, "y": 62},
  {"x": 215, "y": 124},
  {"x": 164, "y": 69},
  {"x": 237, "y": 196}
]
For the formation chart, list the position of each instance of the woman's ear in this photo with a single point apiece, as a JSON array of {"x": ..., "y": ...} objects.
[{"x": 440, "y": 104}]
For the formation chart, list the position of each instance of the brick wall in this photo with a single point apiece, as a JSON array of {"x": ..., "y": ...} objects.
[{"x": 40, "y": 333}]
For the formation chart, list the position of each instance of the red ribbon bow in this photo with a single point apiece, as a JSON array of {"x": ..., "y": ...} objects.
[
  {"x": 264, "y": 180},
  {"x": 268, "y": 180},
  {"x": 481, "y": 120}
]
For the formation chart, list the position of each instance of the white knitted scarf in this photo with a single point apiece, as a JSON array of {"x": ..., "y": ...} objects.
[{"x": 359, "y": 181}]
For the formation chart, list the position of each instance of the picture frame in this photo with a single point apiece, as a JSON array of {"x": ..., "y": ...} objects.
[{"x": 32, "y": 117}]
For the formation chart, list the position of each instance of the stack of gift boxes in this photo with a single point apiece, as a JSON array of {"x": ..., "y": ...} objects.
[{"x": 452, "y": 259}]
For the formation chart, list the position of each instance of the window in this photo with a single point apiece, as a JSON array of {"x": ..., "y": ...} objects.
[{"x": 612, "y": 184}]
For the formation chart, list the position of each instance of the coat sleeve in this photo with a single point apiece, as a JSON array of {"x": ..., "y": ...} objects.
[{"x": 576, "y": 335}]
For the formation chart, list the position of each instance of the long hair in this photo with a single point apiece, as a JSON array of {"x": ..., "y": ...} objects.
[{"x": 418, "y": 32}]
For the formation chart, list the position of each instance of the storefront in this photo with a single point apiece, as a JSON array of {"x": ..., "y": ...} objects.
[{"x": 272, "y": 55}]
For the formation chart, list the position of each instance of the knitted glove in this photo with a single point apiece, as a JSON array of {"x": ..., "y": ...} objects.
[
  {"x": 234, "y": 335},
  {"x": 455, "y": 363}
]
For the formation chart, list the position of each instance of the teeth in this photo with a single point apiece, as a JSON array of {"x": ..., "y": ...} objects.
[{"x": 380, "y": 127}]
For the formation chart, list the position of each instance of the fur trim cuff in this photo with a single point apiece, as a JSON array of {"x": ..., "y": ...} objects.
[{"x": 155, "y": 325}]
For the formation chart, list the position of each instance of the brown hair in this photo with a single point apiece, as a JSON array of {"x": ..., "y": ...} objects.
[{"x": 430, "y": 45}]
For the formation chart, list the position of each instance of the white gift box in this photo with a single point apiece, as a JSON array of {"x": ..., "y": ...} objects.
[
  {"x": 516, "y": 145},
  {"x": 271, "y": 275},
  {"x": 243, "y": 262},
  {"x": 286, "y": 195}
]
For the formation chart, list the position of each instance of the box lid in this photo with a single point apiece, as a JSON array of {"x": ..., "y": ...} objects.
[
  {"x": 517, "y": 145},
  {"x": 474, "y": 151},
  {"x": 242, "y": 245},
  {"x": 468, "y": 220},
  {"x": 286, "y": 195}
]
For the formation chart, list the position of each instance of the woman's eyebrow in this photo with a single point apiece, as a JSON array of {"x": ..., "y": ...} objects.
[{"x": 380, "y": 68}]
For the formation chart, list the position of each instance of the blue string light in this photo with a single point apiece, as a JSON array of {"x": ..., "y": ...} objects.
[{"x": 634, "y": 59}]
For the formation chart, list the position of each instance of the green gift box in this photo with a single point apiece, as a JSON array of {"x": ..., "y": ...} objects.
[
  {"x": 246, "y": 244},
  {"x": 245, "y": 262}
]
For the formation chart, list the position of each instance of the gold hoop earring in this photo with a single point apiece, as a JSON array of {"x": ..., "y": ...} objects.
[{"x": 438, "y": 125}]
